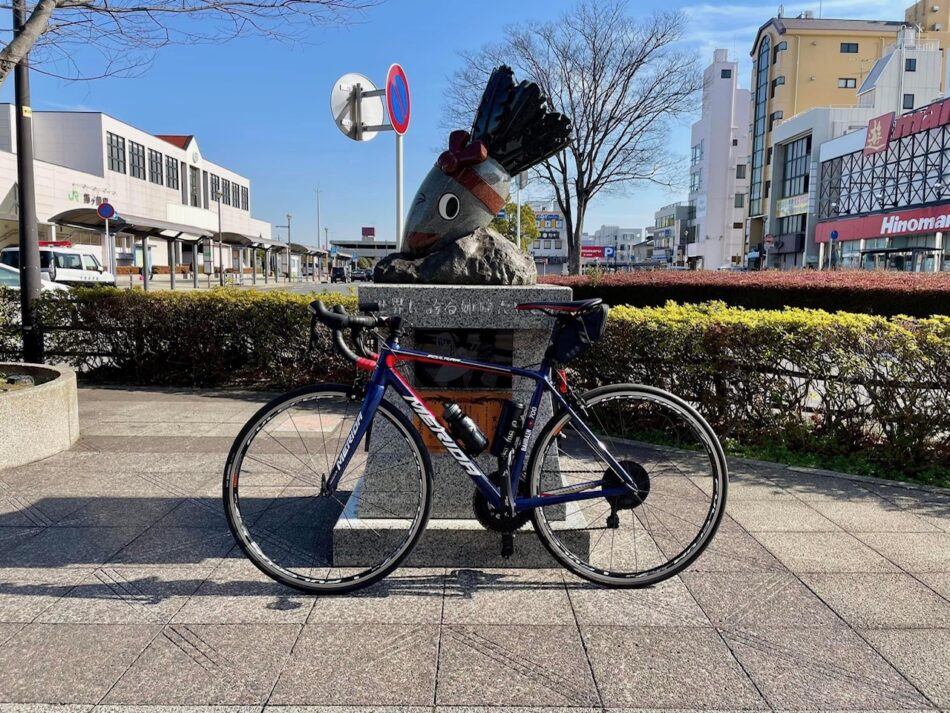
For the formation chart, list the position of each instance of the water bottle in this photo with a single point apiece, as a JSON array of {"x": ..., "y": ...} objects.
[{"x": 463, "y": 429}]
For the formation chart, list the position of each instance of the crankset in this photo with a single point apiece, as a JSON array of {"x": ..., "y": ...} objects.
[{"x": 498, "y": 520}]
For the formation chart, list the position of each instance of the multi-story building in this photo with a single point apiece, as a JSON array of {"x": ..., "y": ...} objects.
[
  {"x": 884, "y": 193},
  {"x": 614, "y": 245},
  {"x": 906, "y": 68},
  {"x": 550, "y": 249},
  {"x": 671, "y": 231},
  {"x": 719, "y": 169},
  {"x": 162, "y": 187},
  {"x": 798, "y": 64}
]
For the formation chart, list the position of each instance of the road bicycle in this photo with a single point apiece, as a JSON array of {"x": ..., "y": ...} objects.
[{"x": 329, "y": 487}]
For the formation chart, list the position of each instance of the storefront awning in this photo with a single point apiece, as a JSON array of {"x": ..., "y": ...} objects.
[
  {"x": 302, "y": 249},
  {"x": 88, "y": 219}
]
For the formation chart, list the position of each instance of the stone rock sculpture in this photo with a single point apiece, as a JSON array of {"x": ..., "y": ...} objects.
[{"x": 469, "y": 184}]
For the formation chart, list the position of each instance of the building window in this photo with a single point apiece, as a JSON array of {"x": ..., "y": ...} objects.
[
  {"x": 737, "y": 226},
  {"x": 183, "y": 172},
  {"x": 768, "y": 156},
  {"x": 194, "y": 181},
  {"x": 136, "y": 160},
  {"x": 725, "y": 74},
  {"x": 245, "y": 198},
  {"x": 740, "y": 200},
  {"x": 847, "y": 83},
  {"x": 791, "y": 224},
  {"x": 171, "y": 172},
  {"x": 775, "y": 116},
  {"x": 760, "y": 97},
  {"x": 116, "y": 146},
  {"x": 908, "y": 101},
  {"x": 225, "y": 191},
  {"x": 697, "y": 154},
  {"x": 796, "y": 168},
  {"x": 215, "y": 188},
  {"x": 780, "y": 47},
  {"x": 695, "y": 181},
  {"x": 740, "y": 170},
  {"x": 235, "y": 195},
  {"x": 155, "y": 167},
  {"x": 910, "y": 64},
  {"x": 547, "y": 244},
  {"x": 559, "y": 244},
  {"x": 204, "y": 189},
  {"x": 735, "y": 142},
  {"x": 777, "y": 82},
  {"x": 849, "y": 48}
]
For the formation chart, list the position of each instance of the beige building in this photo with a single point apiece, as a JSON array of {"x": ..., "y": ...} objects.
[{"x": 799, "y": 64}]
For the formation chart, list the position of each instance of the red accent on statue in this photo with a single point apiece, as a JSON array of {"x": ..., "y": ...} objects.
[{"x": 461, "y": 153}]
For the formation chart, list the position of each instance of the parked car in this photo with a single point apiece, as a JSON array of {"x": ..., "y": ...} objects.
[
  {"x": 339, "y": 274},
  {"x": 64, "y": 264},
  {"x": 362, "y": 275},
  {"x": 10, "y": 277}
]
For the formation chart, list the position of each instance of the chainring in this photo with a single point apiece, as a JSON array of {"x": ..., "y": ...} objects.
[
  {"x": 496, "y": 520},
  {"x": 632, "y": 499}
]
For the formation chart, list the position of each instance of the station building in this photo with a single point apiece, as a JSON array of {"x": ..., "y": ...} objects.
[{"x": 176, "y": 208}]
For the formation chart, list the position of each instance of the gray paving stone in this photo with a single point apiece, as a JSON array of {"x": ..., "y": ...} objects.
[
  {"x": 514, "y": 665},
  {"x": 667, "y": 668},
  {"x": 134, "y": 511},
  {"x": 355, "y": 709},
  {"x": 191, "y": 664},
  {"x": 880, "y": 516},
  {"x": 923, "y": 656},
  {"x": 668, "y": 603},
  {"x": 175, "y": 709},
  {"x": 881, "y": 601},
  {"x": 167, "y": 546},
  {"x": 514, "y": 596},
  {"x": 126, "y": 595},
  {"x": 374, "y": 664},
  {"x": 68, "y": 546},
  {"x": 823, "y": 552},
  {"x": 734, "y": 550},
  {"x": 407, "y": 596},
  {"x": 820, "y": 669},
  {"x": 811, "y": 486},
  {"x": 758, "y": 601},
  {"x": 45, "y": 708},
  {"x": 937, "y": 581},
  {"x": 913, "y": 551},
  {"x": 238, "y": 593},
  {"x": 67, "y": 662},
  {"x": 779, "y": 516},
  {"x": 27, "y": 593}
]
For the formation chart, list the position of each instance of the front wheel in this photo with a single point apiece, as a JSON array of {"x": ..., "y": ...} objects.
[
  {"x": 651, "y": 530},
  {"x": 326, "y": 542}
]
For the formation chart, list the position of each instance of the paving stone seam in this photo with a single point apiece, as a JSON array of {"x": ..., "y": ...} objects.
[
  {"x": 438, "y": 645},
  {"x": 725, "y": 643},
  {"x": 577, "y": 624}
]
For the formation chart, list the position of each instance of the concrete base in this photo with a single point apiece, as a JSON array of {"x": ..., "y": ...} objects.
[
  {"x": 39, "y": 421},
  {"x": 454, "y": 537}
]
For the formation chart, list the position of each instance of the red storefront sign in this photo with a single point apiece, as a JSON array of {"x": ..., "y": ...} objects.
[
  {"x": 919, "y": 221},
  {"x": 884, "y": 129},
  {"x": 592, "y": 251}
]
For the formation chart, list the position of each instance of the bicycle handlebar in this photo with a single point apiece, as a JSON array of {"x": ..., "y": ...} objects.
[{"x": 337, "y": 320}]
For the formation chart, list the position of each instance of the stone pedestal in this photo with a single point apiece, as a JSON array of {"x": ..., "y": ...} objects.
[{"x": 477, "y": 323}]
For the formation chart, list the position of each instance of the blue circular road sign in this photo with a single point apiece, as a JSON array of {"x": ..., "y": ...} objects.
[
  {"x": 397, "y": 99},
  {"x": 105, "y": 211},
  {"x": 834, "y": 235}
]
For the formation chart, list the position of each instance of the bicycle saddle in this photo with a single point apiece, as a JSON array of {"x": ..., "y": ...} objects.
[{"x": 574, "y": 307}]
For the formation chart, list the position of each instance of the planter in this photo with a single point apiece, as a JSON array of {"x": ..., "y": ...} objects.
[{"x": 41, "y": 420}]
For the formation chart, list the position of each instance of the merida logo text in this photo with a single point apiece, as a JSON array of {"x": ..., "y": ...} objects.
[
  {"x": 894, "y": 225},
  {"x": 349, "y": 442}
]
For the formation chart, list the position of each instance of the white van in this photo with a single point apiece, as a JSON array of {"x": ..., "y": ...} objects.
[{"x": 60, "y": 262}]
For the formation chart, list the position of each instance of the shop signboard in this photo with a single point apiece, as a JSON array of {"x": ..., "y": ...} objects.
[
  {"x": 920, "y": 221},
  {"x": 592, "y": 251},
  {"x": 793, "y": 205}
]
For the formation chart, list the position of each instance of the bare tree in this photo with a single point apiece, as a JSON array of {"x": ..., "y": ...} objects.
[
  {"x": 125, "y": 33},
  {"x": 622, "y": 81}
]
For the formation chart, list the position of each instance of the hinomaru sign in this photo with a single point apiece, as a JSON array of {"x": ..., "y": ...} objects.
[
  {"x": 907, "y": 222},
  {"x": 889, "y": 127}
]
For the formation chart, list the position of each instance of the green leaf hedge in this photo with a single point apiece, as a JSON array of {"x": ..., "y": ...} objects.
[{"x": 793, "y": 380}]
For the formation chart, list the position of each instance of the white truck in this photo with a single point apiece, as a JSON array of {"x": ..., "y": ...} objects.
[{"x": 60, "y": 262}]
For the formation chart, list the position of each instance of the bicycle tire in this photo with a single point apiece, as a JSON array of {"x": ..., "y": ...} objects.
[{"x": 231, "y": 491}]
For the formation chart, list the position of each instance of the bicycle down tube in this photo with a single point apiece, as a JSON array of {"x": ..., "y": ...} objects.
[{"x": 385, "y": 374}]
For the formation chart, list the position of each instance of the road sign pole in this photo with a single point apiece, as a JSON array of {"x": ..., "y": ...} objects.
[
  {"x": 399, "y": 213},
  {"x": 108, "y": 246}
]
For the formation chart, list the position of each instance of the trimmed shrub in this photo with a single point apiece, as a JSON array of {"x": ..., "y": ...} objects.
[
  {"x": 854, "y": 386},
  {"x": 883, "y": 293}
]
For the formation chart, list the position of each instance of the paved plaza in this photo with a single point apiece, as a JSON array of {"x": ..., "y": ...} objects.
[{"x": 121, "y": 589}]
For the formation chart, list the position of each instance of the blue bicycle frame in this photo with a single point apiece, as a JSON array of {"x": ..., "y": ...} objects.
[{"x": 384, "y": 375}]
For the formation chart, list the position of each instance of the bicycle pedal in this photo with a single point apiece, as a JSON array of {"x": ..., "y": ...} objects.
[{"x": 507, "y": 545}]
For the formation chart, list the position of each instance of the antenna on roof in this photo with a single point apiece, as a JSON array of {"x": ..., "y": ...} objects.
[{"x": 781, "y": 10}]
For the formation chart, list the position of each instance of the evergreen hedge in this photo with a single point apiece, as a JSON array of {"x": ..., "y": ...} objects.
[{"x": 784, "y": 381}]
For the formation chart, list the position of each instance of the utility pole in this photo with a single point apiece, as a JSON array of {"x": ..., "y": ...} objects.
[
  {"x": 318, "y": 215},
  {"x": 220, "y": 244},
  {"x": 26, "y": 199}
]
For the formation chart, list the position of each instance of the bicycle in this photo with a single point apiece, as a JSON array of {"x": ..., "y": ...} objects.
[{"x": 328, "y": 488}]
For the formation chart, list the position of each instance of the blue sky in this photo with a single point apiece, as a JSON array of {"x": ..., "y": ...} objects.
[{"x": 262, "y": 107}]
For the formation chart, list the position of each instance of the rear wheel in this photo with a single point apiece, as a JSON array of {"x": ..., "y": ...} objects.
[
  {"x": 336, "y": 542},
  {"x": 657, "y": 527}
]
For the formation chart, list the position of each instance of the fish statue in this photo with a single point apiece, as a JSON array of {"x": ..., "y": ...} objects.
[{"x": 514, "y": 129}]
